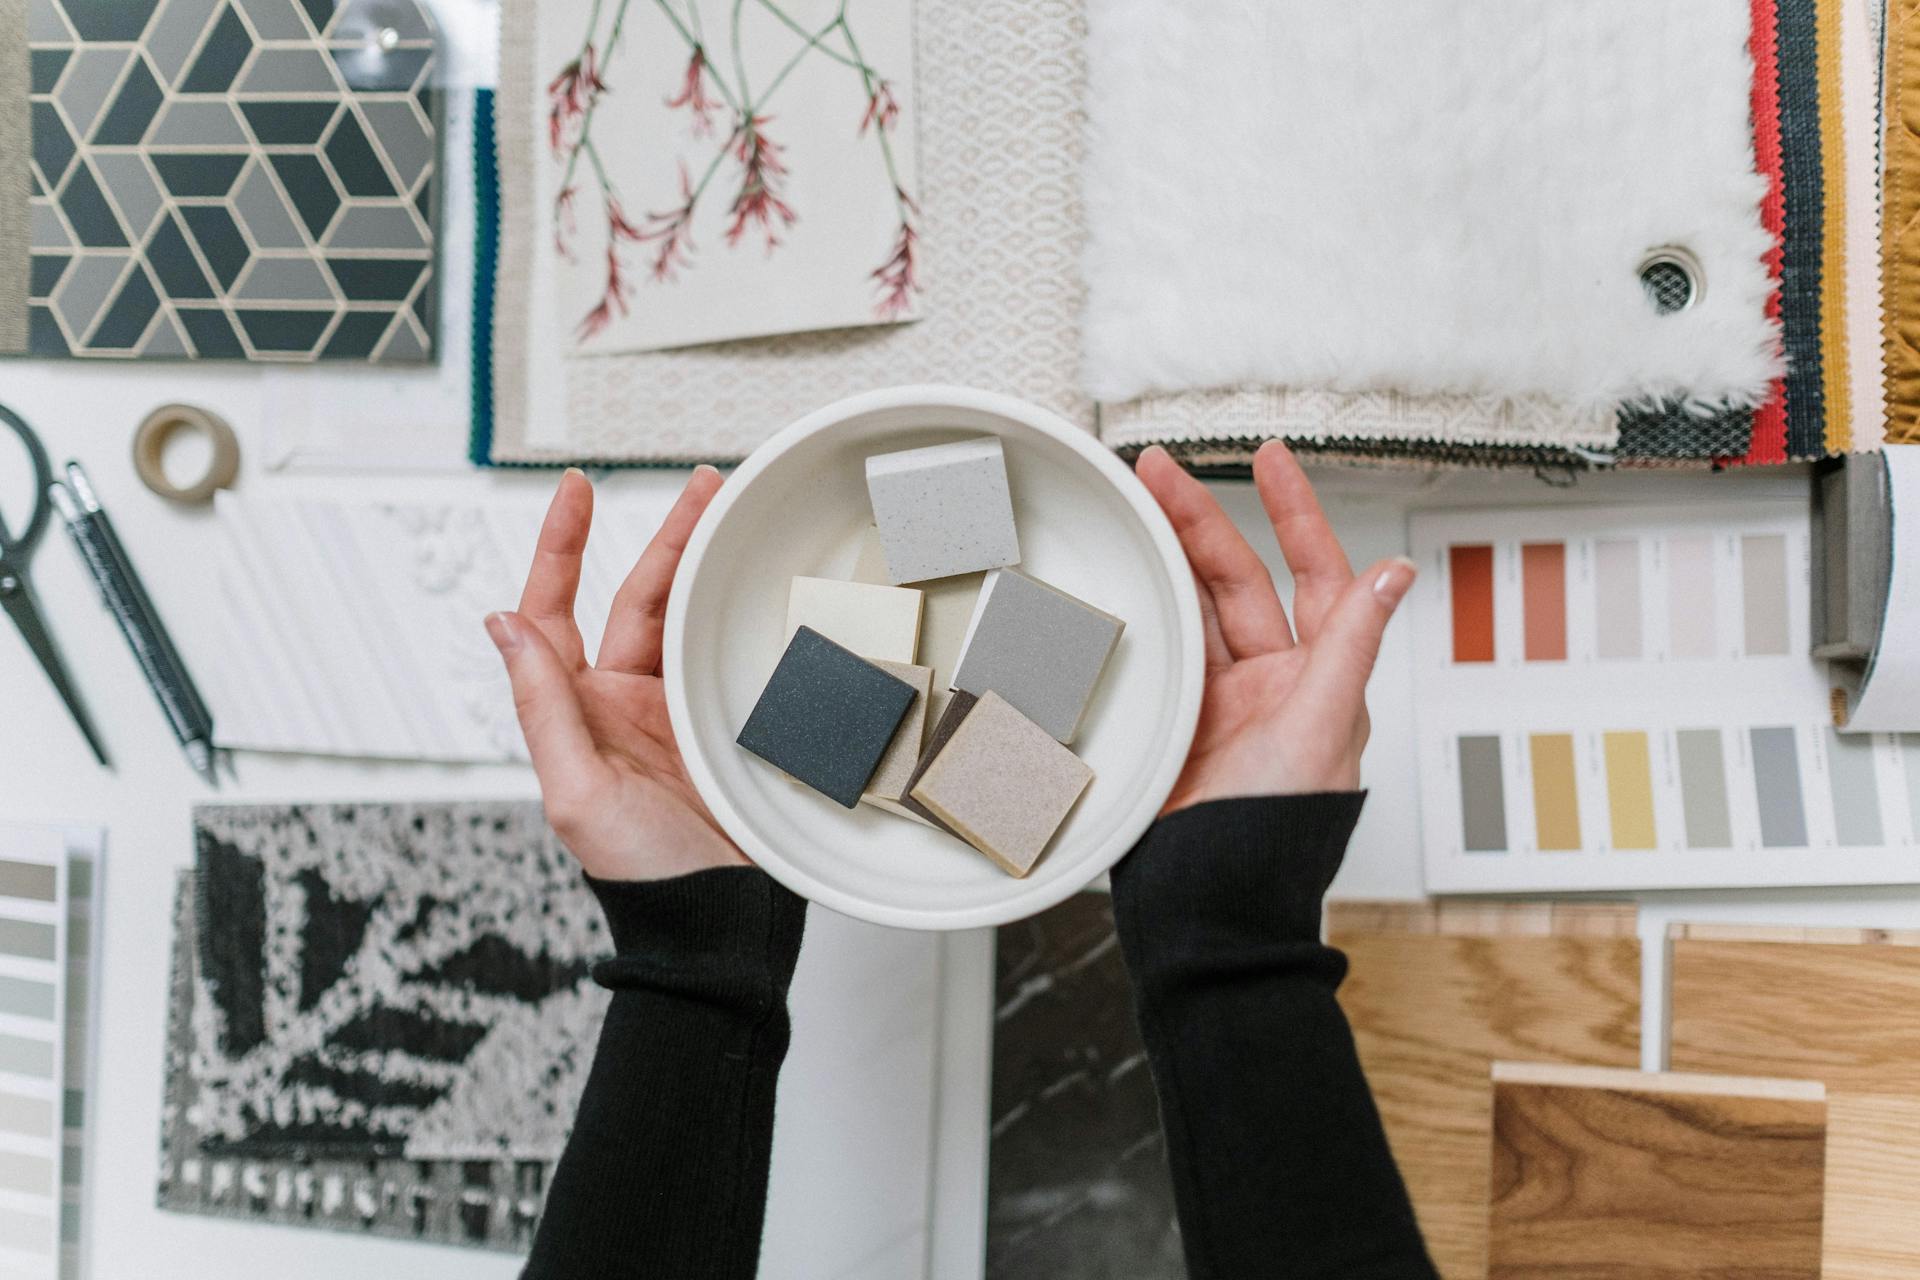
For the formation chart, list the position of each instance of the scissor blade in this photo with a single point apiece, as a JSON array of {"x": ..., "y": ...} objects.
[{"x": 24, "y": 609}]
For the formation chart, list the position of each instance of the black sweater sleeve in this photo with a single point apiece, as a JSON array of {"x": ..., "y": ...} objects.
[
  {"x": 666, "y": 1172},
  {"x": 1280, "y": 1165}
]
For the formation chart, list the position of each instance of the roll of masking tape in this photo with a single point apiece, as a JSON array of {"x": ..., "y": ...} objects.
[{"x": 150, "y": 447}]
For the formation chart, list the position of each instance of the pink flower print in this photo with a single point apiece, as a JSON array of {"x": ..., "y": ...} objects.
[
  {"x": 693, "y": 94},
  {"x": 673, "y": 232},
  {"x": 564, "y": 224},
  {"x": 762, "y": 172},
  {"x": 570, "y": 95},
  {"x": 899, "y": 276},
  {"x": 882, "y": 108},
  {"x": 612, "y": 300}
]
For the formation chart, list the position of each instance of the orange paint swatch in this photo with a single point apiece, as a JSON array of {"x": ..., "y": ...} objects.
[
  {"x": 1543, "y": 593},
  {"x": 1470, "y": 571}
]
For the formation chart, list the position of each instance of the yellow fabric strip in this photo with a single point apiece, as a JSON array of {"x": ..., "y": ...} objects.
[
  {"x": 1833, "y": 255},
  {"x": 1900, "y": 223}
]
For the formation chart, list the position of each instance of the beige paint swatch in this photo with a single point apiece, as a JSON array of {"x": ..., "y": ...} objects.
[
  {"x": 1556, "y": 793},
  {"x": 1003, "y": 784},
  {"x": 1629, "y": 790},
  {"x": 890, "y": 777}
]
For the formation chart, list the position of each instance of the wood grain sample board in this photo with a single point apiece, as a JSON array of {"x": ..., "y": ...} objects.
[
  {"x": 1437, "y": 992},
  {"x": 1606, "y": 1174},
  {"x": 1841, "y": 1006}
]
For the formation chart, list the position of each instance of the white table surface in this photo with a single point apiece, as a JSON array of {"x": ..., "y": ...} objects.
[{"x": 46, "y": 775}]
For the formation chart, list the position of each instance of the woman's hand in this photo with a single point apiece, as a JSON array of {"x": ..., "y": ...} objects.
[
  {"x": 1285, "y": 708},
  {"x": 611, "y": 776}
]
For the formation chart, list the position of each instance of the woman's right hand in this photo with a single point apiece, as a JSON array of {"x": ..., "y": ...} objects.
[{"x": 615, "y": 787}]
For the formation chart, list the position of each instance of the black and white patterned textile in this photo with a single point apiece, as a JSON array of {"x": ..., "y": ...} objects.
[{"x": 379, "y": 980}]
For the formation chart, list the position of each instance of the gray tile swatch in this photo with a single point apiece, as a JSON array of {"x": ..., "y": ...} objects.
[
  {"x": 1703, "y": 789},
  {"x": 1856, "y": 792},
  {"x": 826, "y": 716},
  {"x": 1776, "y": 784},
  {"x": 1691, "y": 600},
  {"x": 943, "y": 510},
  {"x": 1039, "y": 648},
  {"x": 31, "y": 1116},
  {"x": 1763, "y": 590},
  {"x": 28, "y": 1175},
  {"x": 1616, "y": 572},
  {"x": 25, "y": 999},
  {"x": 1483, "y": 796},
  {"x": 27, "y": 938}
]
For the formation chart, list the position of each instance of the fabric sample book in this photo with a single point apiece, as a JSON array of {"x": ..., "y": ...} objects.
[{"x": 218, "y": 180}]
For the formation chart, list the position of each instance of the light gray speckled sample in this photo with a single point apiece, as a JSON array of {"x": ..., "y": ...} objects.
[
  {"x": 1039, "y": 648},
  {"x": 1003, "y": 785},
  {"x": 944, "y": 509}
]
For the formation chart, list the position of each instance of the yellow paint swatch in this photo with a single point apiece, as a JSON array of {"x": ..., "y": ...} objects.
[
  {"x": 1629, "y": 790},
  {"x": 1556, "y": 793}
]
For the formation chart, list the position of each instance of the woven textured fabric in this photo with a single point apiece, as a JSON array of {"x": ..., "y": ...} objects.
[
  {"x": 390, "y": 980},
  {"x": 1669, "y": 433},
  {"x": 1768, "y": 442},
  {"x": 1900, "y": 222},
  {"x": 1000, "y": 90},
  {"x": 16, "y": 142},
  {"x": 1233, "y": 459},
  {"x": 484, "y": 1203}
]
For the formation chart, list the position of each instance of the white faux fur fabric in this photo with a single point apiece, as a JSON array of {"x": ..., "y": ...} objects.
[{"x": 1424, "y": 196}]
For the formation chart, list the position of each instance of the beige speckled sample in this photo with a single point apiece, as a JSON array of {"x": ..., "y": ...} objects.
[
  {"x": 895, "y": 770},
  {"x": 1003, "y": 784},
  {"x": 881, "y": 624},
  {"x": 943, "y": 510}
]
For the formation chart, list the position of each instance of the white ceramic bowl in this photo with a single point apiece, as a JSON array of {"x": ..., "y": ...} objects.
[{"x": 798, "y": 506}]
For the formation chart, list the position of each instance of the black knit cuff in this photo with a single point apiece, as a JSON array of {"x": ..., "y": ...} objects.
[
  {"x": 736, "y": 915},
  {"x": 1260, "y": 862}
]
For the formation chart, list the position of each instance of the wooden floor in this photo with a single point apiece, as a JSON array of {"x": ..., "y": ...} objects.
[
  {"x": 1623, "y": 1175},
  {"x": 1838, "y": 1006},
  {"x": 1437, "y": 993}
]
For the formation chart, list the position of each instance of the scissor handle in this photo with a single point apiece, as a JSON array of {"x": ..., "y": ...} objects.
[{"x": 42, "y": 478}]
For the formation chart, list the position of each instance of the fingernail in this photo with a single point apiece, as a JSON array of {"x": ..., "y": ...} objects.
[
  {"x": 575, "y": 471},
  {"x": 506, "y": 636},
  {"x": 707, "y": 467},
  {"x": 1391, "y": 586}
]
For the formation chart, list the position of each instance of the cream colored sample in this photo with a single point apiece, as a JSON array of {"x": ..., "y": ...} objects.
[
  {"x": 896, "y": 766},
  {"x": 945, "y": 615},
  {"x": 1003, "y": 784},
  {"x": 881, "y": 624}
]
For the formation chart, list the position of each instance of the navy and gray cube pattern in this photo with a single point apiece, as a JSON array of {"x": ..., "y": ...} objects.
[{"x": 232, "y": 180}]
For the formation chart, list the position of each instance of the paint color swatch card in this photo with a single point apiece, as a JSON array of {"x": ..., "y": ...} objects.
[
  {"x": 1621, "y": 698},
  {"x": 33, "y": 957}
]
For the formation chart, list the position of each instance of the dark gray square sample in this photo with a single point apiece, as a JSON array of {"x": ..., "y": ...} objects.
[{"x": 826, "y": 716}]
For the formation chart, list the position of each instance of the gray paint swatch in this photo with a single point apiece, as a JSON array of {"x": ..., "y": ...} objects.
[
  {"x": 26, "y": 938},
  {"x": 1691, "y": 607},
  {"x": 22, "y": 1057},
  {"x": 1703, "y": 789},
  {"x": 1483, "y": 796},
  {"x": 31, "y": 1116},
  {"x": 25, "y": 999},
  {"x": 1616, "y": 570},
  {"x": 28, "y": 1229},
  {"x": 29, "y": 1175},
  {"x": 1856, "y": 792},
  {"x": 1763, "y": 588},
  {"x": 31, "y": 880},
  {"x": 1776, "y": 785}
]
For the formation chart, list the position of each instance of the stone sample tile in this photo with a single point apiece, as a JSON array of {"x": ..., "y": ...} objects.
[
  {"x": 826, "y": 717},
  {"x": 878, "y": 623},
  {"x": 1039, "y": 648},
  {"x": 943, "y": 510},
  {"x": 1003, "y": 784}
]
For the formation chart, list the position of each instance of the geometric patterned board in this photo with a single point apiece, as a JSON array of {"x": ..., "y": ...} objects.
[{"x": 232, "y": 179}]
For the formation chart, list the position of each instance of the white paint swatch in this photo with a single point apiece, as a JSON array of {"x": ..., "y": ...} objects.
[{"x": 33, "y": 956}]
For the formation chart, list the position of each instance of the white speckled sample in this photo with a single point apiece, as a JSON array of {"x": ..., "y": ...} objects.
[
  {"x": 943, "y": 510},
  {"x": 895, "y": 769},
  {"x": 1039, "y": 648},
  {"x": 1003, "y": 784},
  {"x": 881, "y": 624}
]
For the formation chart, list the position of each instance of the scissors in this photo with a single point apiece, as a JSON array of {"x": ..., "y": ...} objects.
[{"x": 16, "y": 589}]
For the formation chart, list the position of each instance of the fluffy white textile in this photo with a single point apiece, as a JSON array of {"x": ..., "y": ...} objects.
[{"x": 1425, "y": 196}]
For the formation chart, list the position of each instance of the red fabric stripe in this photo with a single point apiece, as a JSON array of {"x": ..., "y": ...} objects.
[{"x": 1769, "y": 443}]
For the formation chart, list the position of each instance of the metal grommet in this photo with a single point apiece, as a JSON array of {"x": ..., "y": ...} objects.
[
  {"x": 1672, "y": 278},
  {"x": 150, "y": 444}
]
